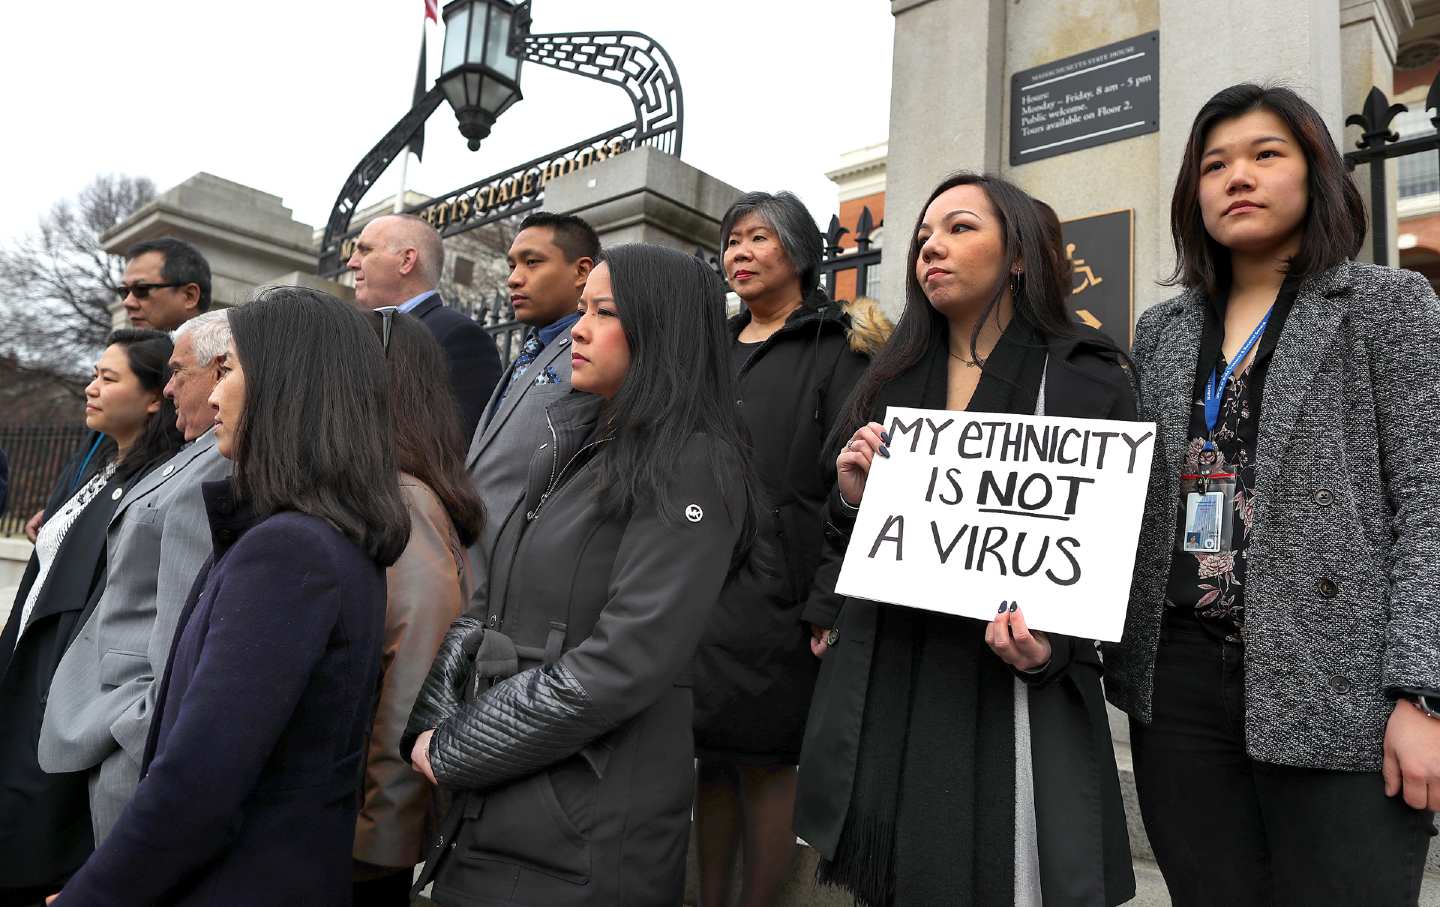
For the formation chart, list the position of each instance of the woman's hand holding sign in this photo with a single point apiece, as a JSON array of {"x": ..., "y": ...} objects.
[
  {"x": 1017, "y": 645},
  {"x": 853, "y": 465}
]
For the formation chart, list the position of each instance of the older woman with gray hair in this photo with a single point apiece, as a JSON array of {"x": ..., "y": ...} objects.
[{"x": 796, "y": 355}]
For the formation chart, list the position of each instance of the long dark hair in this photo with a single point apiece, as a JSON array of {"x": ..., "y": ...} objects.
[
  {"x": 1038, "y": 292},
  {"x": 315, "y": 434},
  {"x": 1334, "y": 226},
  {"x": 148, "y": 355},
  {"x": 672, "y": 309},
  {"x": 428, "y": 444}
]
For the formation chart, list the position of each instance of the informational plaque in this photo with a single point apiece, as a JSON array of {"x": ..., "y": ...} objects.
[
  {"x": 1100, "y": 96},
  {"x": 1100, "y": 249},
  {"x": 972, "y": 509}
]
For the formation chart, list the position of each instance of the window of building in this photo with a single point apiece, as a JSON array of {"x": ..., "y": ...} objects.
[
  {"x": 1419, "y": 174},
  {"x": 464, "y": 271}
]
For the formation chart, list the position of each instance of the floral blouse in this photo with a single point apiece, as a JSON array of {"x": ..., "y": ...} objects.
[{"x": 1214, "y": 584}]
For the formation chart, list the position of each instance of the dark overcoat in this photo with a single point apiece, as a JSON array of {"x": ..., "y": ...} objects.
[
  {"x": 754, "y": 672},
  {"x": 470, "y": 354},
  {"x": 574, "y": 776},
  {"x": 1080, "y": 817},
  {"x": 252, "y": 770},
  {"x": 46, "y": 834}
]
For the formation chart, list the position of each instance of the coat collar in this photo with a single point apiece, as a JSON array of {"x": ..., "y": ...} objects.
[
  {"x": 166, "y": 471},
  {"x": 1314, "y": 318},
  {"x": 229, "y": 516},
  {"x": 427, "y": 305},
  {"x": 487, "y": 432}
]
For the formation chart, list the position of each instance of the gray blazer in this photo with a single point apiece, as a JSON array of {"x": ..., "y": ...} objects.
[
  {"x": 1343, "y": 601},
  {"x": 500, "y": 453},
  {"x": 103, "y": 696}
]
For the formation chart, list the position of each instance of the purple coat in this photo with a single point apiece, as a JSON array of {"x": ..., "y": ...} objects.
[{"x": 252, "y": 770}]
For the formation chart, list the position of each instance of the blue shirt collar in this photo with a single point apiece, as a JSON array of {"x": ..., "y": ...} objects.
[
  {"x": 555, "y": 328},
  {"x": 413, "y": 301}
]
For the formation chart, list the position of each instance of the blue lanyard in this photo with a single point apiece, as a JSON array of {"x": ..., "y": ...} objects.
[{"x": 1213, "y": 390}]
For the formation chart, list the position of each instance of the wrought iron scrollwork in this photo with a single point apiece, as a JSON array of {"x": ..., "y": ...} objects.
[
  {"x": 631, "y": 61},
  {"x": 1379, "y": 143}
]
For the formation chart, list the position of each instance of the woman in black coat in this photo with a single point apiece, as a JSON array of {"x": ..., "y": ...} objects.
[
  {"x": 948, "y": 760},
  {"x": 251, "y": 769},
  {"x": 560, "y": 716},
  {"x": 45, "y": 834},
  {"x": 796, "y": 355}
]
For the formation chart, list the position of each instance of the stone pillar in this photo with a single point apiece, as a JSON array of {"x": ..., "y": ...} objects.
[
  {"x": 1369, "y": 35},
  {"x": 1207, "y": 46},
  {"x": 646, "y": 196},
  {"x": 947, "y": 91},
  {"x": 246, "y": 235}
]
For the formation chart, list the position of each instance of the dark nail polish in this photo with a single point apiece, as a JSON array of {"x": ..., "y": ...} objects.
[
  {"x": 1014, "y": 606},
  {"x": 885, "y": 436},
  {"x": 1003, "y": 606},
  {"x": 884, "y": 451}
]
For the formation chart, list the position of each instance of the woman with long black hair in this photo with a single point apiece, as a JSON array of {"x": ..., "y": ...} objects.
[
  {"x": 560, "y": 716},
  {"x": 948, "y": 760},
  {"x": 250, "y": 772},
  {"x": 1281, "y": 655},
  {"x": 426, "y": 589},
  {"x": 45, "y": 835}
]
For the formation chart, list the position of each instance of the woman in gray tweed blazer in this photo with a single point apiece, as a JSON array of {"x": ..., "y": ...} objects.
[{"x": 1284, "y": 622}]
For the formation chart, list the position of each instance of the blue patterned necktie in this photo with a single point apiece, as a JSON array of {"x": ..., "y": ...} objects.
[{"x": 528, "y": 352}]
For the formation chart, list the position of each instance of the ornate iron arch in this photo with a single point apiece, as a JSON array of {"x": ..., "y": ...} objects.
[{"x": 630, "y": 60}]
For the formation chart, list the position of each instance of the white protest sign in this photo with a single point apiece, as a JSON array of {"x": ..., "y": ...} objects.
[{"x": 972, "y": 509}]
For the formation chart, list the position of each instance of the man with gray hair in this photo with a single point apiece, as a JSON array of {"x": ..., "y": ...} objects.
[
  {"x": 397, "y": 262},
  {"x": 102, "y": 698}
]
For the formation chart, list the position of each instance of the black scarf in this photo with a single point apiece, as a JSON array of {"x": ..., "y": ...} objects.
[{"x": 932, "y": 810}]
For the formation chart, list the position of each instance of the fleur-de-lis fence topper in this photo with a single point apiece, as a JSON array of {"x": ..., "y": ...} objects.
[
  {"x": 629, "y": 60},
  {"x": 1379, "y": 143}
]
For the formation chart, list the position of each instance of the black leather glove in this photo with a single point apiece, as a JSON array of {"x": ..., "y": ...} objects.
[{"x": 443, "y": 691}]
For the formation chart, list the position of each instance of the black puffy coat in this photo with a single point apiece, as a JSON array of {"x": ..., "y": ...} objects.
[
  {"x": 754, "y": 672},
  {"x": 573, "y": 774}
]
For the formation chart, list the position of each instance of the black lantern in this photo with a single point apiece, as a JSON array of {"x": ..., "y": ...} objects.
[{"x": 478, "y": 73}]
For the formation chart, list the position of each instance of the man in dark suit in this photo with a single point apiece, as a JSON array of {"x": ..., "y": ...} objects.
[{"x": 397, "y": 262}]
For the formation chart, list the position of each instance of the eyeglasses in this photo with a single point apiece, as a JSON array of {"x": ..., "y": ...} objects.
[
  {"x": 142, "y": 290},
  {"x": 387, "y": 317}
]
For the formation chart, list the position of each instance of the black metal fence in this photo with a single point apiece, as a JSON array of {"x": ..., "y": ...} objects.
[
  {"x": 36, "y": 454},
  {"x": 835, "y": 260},
  {"x": 497, "y": 316},
  {"x": 1377, "y": 144}
]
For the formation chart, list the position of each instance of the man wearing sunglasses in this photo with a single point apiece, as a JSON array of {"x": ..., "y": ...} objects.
[
  {"x": 397, "y": 263},
  {"x": 166, "y": 283}
]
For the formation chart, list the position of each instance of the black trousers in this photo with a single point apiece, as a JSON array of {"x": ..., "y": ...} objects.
[
  {"x": 392, "y": 890},
  {"x": 1228, "y": 830}
]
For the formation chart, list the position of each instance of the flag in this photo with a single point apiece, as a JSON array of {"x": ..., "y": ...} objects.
[
  {"x": 417, "y": 144},
  {"x": 432, "y": 11}
]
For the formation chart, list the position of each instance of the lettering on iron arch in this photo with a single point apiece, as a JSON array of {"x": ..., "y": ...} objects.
[{"x": 512, "y": 191}]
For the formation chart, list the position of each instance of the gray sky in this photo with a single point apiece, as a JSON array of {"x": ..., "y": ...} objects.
[{"x": 288, "y": 95}]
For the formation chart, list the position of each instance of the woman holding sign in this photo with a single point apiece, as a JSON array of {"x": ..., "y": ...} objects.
[
  {"x": 948, "y": 760},
  {"x": 1281, "y": 656}
]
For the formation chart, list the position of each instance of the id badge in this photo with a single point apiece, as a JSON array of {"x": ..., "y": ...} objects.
[{"x": 1207, "y": 513}]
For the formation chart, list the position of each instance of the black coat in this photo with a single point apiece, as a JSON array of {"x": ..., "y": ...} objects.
[
  {"x": 45, "y": 833},
  {"x": 1085, "y": 854},
  {"x": 470, "y": 352},
  {"x": 574, "y": 776},
  {"x": 754, "y": 672},
  {"x": 253, "y": 764}
]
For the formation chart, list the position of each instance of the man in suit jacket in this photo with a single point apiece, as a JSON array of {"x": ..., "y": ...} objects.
[
  {"x": 104, "y": 692},
  {"x": 397, "y": 262},
  {"x": 549, "y": 261}
]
